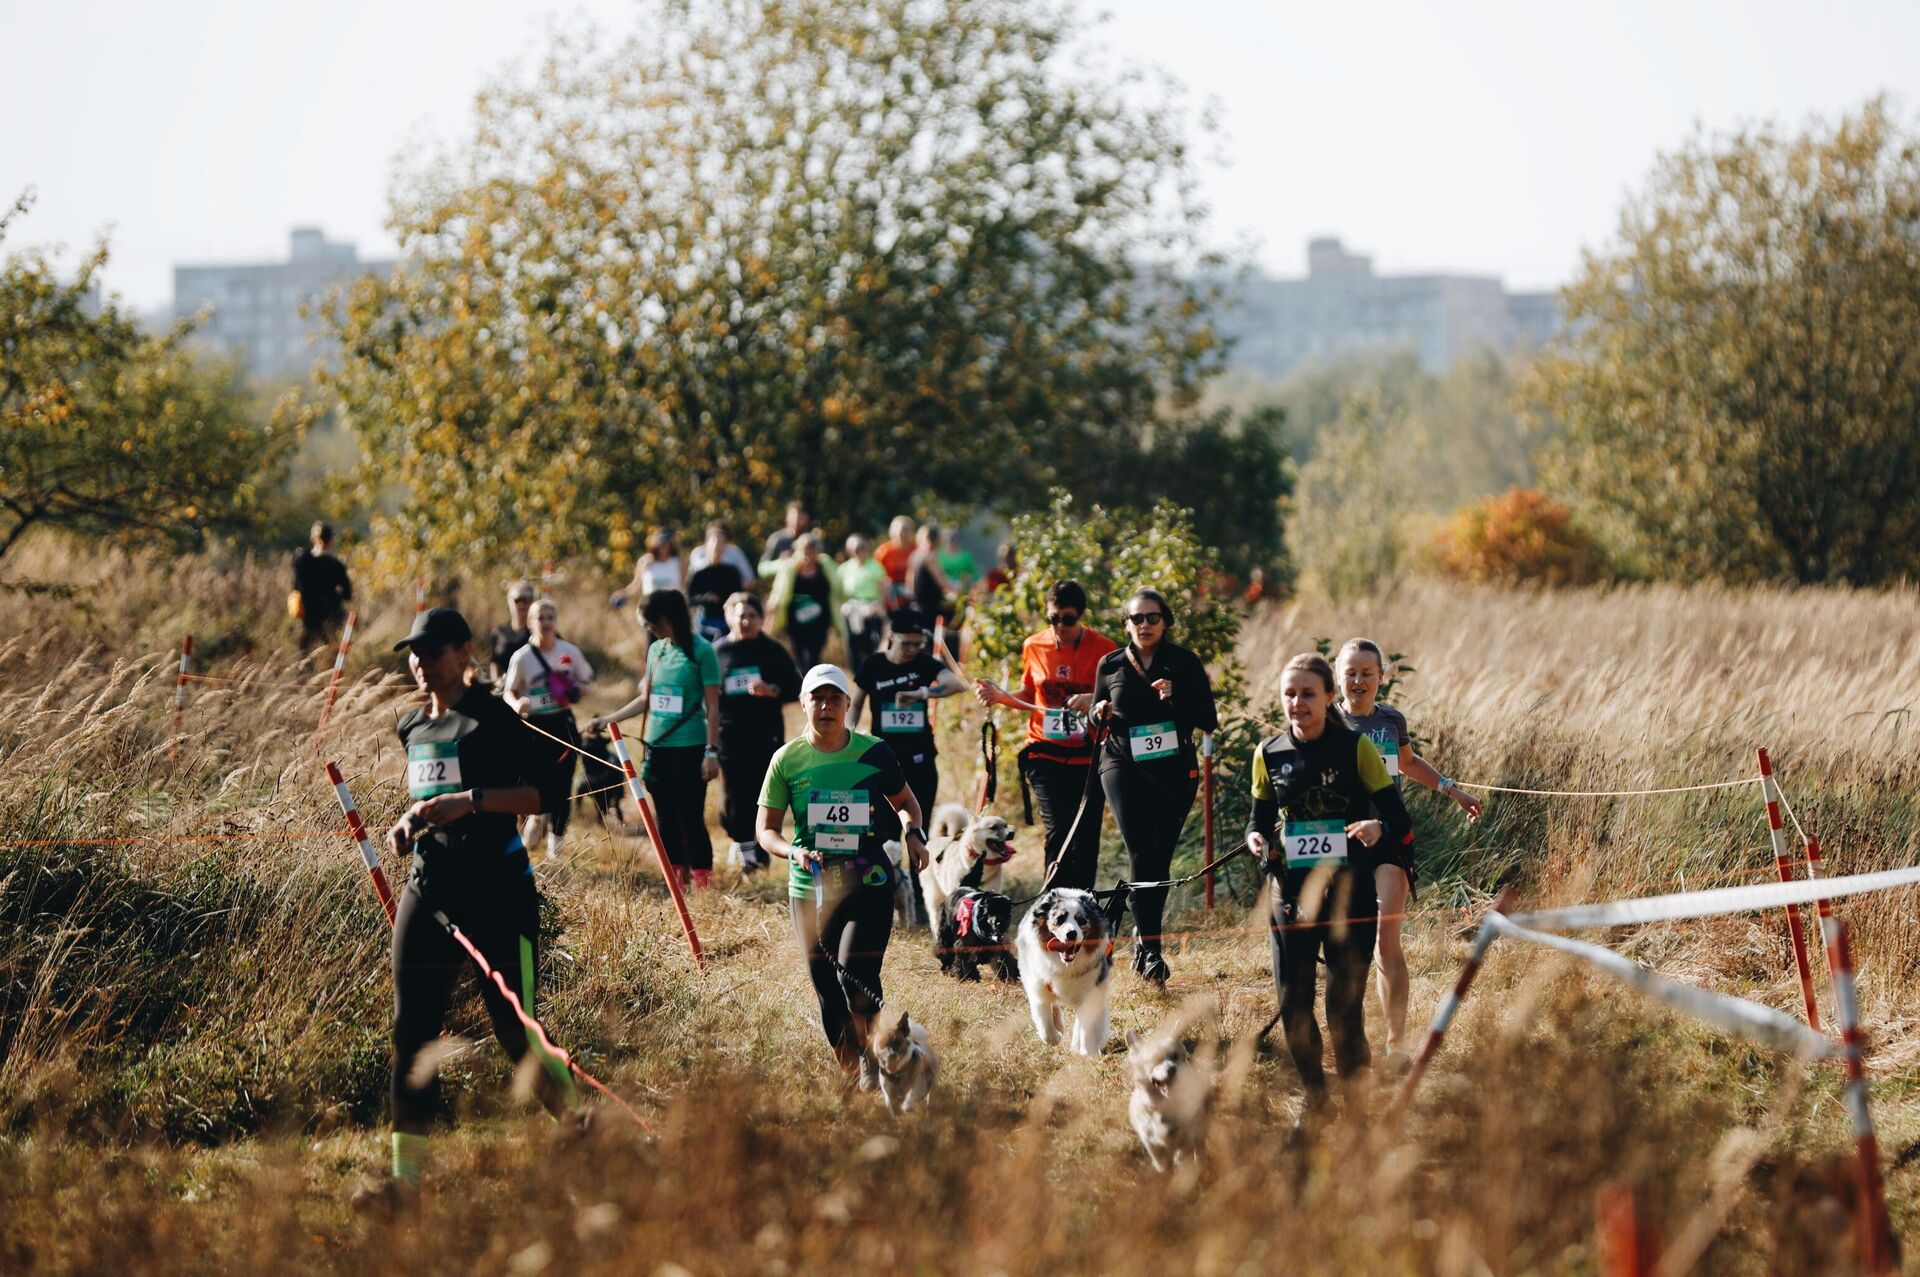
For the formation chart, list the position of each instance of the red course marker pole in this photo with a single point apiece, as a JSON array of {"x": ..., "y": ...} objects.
[
  {"x": 1783, "y": 861},
  {"x": 1825, "y": 907},
  {"x": 420, "y": 595},
  {"x": 1450, "y": 1006},
  {"x": 1206, "y": 811},
  {"x": 672, "y": 876},
  {"x": 1624, "y": 1242},
  {"x": 357, "y": 829},
  {"x": 339, "y": 667},
  {"x": 180, "y": 695},
  {"x": 1871, "y": 1227}
]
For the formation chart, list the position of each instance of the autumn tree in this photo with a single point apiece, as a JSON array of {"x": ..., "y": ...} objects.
[
  {"x": 111, "y": 432},
  {"x": 1740, "y": 384},
  {"x": 866, "y": 252}
]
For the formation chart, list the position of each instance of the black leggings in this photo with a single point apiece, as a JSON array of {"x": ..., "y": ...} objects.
[
  {"x": 1296, "y": 952},
  {"x": 852, "y": 919},
  {"x": 1057, "y": 788},
  {"x": 923, "y": 778},
  {"x": 743, "y": 767},
  {"x": 1150, "y": 803},
  {"x": 505, "y": 926},
  {"x": 680, "y": 801},
  {"x": 808, "y": 645},
  {"x": 553, "y": 773}
]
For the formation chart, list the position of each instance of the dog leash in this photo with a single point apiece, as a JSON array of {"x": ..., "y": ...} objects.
[{"x": 1096, "y": 734}]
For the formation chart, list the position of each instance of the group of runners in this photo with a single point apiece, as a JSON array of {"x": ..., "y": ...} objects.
[{"x": 1110, "y": 726}]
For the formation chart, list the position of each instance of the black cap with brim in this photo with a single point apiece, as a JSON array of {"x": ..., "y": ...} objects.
[
  {"x": 907, "y": 620},
  {"x": 440, "y": 626}
]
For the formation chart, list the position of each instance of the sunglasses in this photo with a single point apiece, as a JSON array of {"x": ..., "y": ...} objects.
[
  {"x": 1063, "y": 618},
  {"x": 1146, "y": 618},
  {"x": 527, "y": 602}
]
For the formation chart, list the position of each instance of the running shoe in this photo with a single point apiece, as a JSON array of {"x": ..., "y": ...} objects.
[
  {"x": 1150, "y": 966},
  {"x": 387, "y": 1198},
  {"x": 702, "y": 879}
]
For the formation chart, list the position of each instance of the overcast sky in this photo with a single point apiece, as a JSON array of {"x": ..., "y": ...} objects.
[{"x": 1468, "y": 136}]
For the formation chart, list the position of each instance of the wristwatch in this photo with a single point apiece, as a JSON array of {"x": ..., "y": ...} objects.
[{"x": 916, "y": 832}]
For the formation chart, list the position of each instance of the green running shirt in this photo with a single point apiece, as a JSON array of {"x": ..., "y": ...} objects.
[{"x": 838, "y": 800}]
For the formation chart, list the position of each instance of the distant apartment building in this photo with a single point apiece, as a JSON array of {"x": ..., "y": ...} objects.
[
  {"x": 255, "y": 307},
  {"x": 1342, "y": 307}
]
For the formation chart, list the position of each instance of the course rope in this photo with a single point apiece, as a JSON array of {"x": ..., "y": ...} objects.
[{"x": 1606, "y": 793}]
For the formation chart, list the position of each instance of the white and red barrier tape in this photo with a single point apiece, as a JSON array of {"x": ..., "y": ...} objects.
[{"x": 1714, "y": 902}]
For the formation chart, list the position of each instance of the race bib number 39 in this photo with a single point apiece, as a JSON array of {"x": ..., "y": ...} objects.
[
  {"x": 1315, "y": 842},
  {"x": 740, "y": 682},
  {"x": 1062, "y": 724},
  {"x": 895, "y": 717},
  {"x": 433, "y": 768},
  {"x": 838, "y": 818},
  {"x": 1155, "y": 740}
]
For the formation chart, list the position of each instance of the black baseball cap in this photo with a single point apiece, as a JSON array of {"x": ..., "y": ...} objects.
[
  {"x": 907, "y": 620},
  {"x": 440, "y": 625}
]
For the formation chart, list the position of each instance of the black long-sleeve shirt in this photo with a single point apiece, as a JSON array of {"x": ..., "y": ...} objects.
[
  {"x": 1324, "y": 785},
  {"x": 1138, "y": 709}
]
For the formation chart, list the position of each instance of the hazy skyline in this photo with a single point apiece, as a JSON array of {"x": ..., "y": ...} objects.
[{"x": 1489, "y": 138}]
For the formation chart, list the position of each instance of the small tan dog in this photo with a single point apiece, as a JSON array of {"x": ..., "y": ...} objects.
[
  {"x": 1172, "y": 1092},
  {"x": 908, "y": 1066}
]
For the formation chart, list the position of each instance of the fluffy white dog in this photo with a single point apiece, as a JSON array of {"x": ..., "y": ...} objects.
[
  {"x": 1066, "y": 959},
  {"x": 956, "y": 842}
]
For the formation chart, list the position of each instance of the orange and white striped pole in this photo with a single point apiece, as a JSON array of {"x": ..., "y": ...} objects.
[
  {"x": 420, "y": 595},
  {"x": 1625, "y": 1244},
  {"x": 1783, "y": 861},
  {"x": 357, "y": 829},
  {"x": 1825, "y": 907},
  {"x": 1450, "y": 1005},
  {"x": 625, "y": 758},
  {"x": 1870, "y": 1220},
  {"x": 1206, "y": 810},
  {"x": 180, "y": 694},
  {"x": 339, "y": 667}
]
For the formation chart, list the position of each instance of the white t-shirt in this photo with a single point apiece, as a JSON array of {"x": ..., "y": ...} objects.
[
  {"x": 525, "y": 678},
  {"x": 733, "y": 555},
  {"x": 661, "y": 574}
]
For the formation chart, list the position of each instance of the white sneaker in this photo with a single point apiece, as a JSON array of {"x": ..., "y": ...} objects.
[
  {"x": 554, "y": 843},
  {"x": 532, "y": 830}
]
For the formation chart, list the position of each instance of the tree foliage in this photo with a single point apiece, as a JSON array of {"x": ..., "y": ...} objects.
[
  {"x": 1111, "y": 552},
  {"x": 1740, "y": 389},
  {"x": 1234, "y": 476},
  {"x": 108, "y": 431},
  {"x": 1521, "y": 537},
  {"x": 866, "y": 252},
  {"x": 1346, "y": 526}
]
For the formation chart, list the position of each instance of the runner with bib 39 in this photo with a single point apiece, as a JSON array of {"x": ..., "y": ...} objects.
[
  {"x": 1153, "y": 695},
  {"x": 1325, "y": 814}
]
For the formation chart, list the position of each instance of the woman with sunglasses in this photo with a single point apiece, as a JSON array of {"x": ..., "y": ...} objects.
[
  {"x": 1153, "y": 695},
  {"x": 1058, "y": 666},
  {"x": 757, "y": 677}
]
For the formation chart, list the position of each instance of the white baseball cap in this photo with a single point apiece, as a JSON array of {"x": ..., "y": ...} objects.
[{"x": 824, "y": 675}]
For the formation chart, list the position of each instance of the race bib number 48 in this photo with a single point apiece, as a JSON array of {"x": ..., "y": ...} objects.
[
  {"x": 838, "y": 818},
  {"x": 1155, "y": 740},
  {"x": 433, "y": 768},
  {"x": 1315, "y": 842}
]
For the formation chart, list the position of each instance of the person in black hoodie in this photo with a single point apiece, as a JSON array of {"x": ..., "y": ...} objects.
[
  {"x": 1153, "y": 695},
  {"x": 757, "y": 677},
  {"x": 1325, "y": 813}
]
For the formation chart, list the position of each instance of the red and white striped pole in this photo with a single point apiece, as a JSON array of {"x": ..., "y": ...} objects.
[
  {"x": 1870, "y": 1220},
  {"x": 339, "y": 667},
  {"x": 1625, "y": 1244},
  {"x": 420, "y": 595},
  {"x": 1206, "y": 810},
  {"x": 180, "y": 694},
  {"x": 625, "y": 758},
  {"x": 357, "y": 829},
  {"x": 1783, "y": 861},
  {"x": 1450, "y": 1005},
  {"x": 1825, "y": 907}
]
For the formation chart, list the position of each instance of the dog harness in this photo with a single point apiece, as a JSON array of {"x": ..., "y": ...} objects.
[{"x": 963, "y": 914}]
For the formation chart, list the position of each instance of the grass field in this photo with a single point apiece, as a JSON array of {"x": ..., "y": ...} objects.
[{"x": 192, "y": 1018}]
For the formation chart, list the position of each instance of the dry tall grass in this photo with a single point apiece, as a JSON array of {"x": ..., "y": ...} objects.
[{"x": 192, "y": 1033}]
